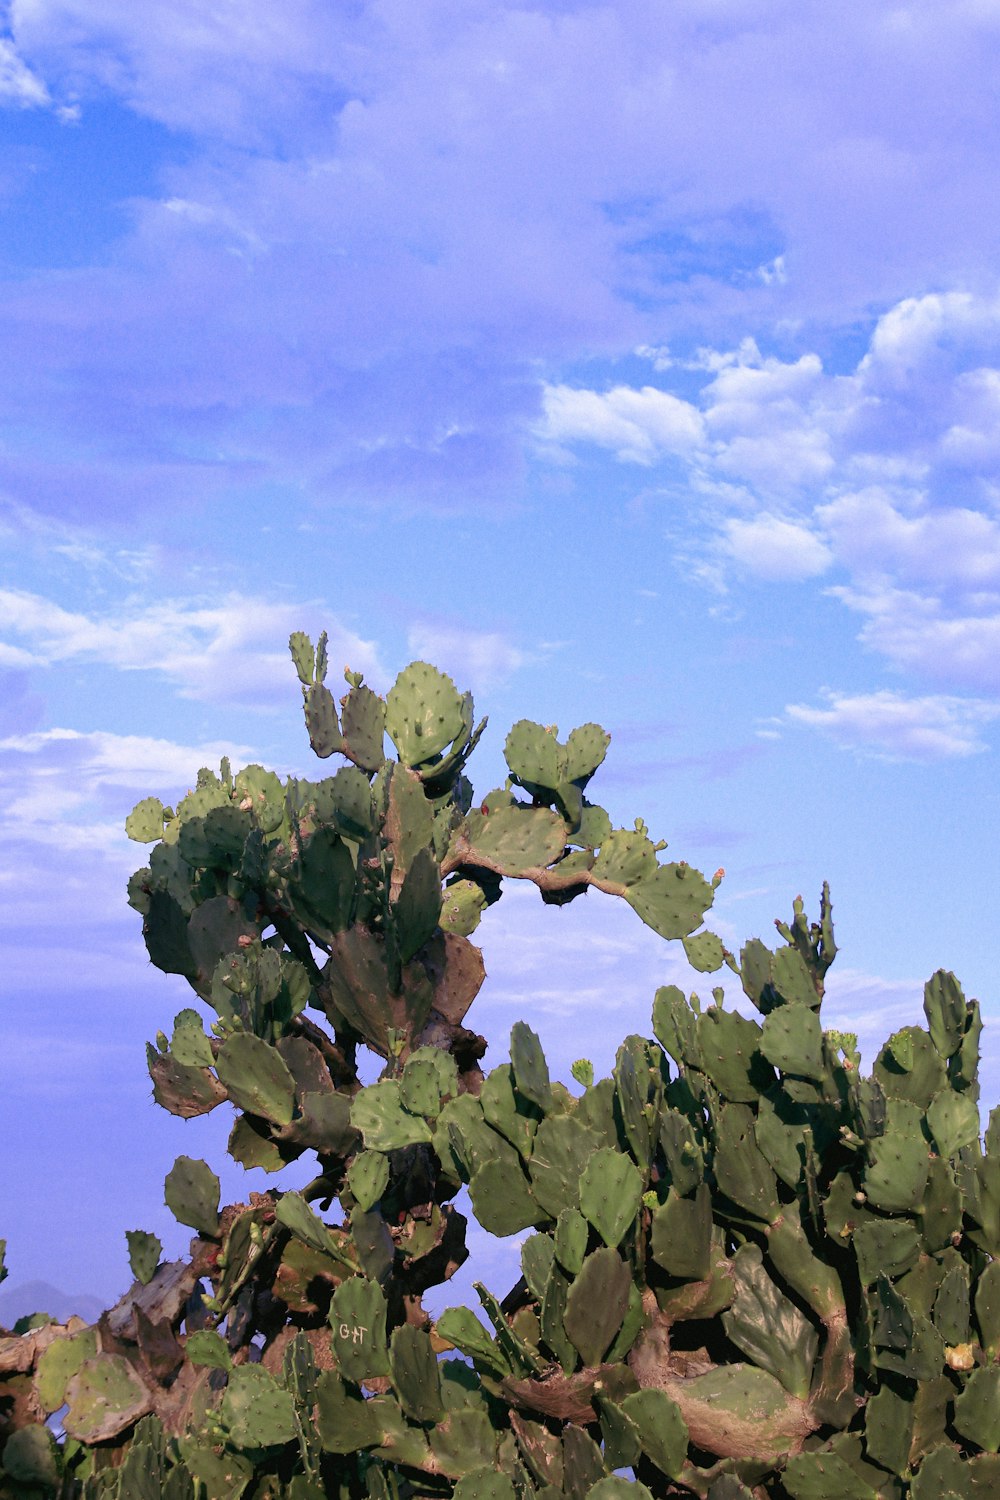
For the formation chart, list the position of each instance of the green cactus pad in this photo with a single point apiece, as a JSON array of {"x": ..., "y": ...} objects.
[
  {"x": 531, "y": 1072},
  {"x": 206, "y": 1347},
  {"x": 250, "y": 1144},
  {"x": 681, "y": 1239},
  {"x": 425, "y": 713},
  {"x": 508, "y": 1110},
  {"x": 144, "y": 1251},
  {"x": 322, "y": 722},
  {"x": 954, "y": 1121},
  {"x": 728, "y": 1046},
  {"x": 570, "y": 1242},
  {"x": 583, "y": 1463},
  {"x": 189, "y": 1045},
  {"x": 460, "y": 1327},
  {"x": 345, "y": 1422},
  {"x": 513, "y": 840},
  {"x": 430, "y": 1077},
  {"x": 889, "y": 1429},
  {"x": 256, "y": 1411},
  {"x": 357, "y": 1323},
  {"x": 825, "y": 1476},
  {"x": 502, "y": 1200},
  {"x": 368, "y": 1178},
  {"x": 534, "y": 756},
  {"x": 909, "y": 1066},
  {"x": 884, "y": 1246},
  {"x": 705, "y": 952},
  {"x": 596, "y": 1304},
  {"x": 144, "y": 823},
  {"x": 537, "y": 1254},
  {"x": 378, "y": 1112},
  {"x": 59, "y": 1361},
  {"x": 987, "y": 1303},
  {"x": 29, "y": 1457},
  {"x": 639, "y": 1089},
  {"x": 685, "y": 1160},
  {"x": 951, "y": 1306},
  {"x": 586, "y": 747},
  {"x": 303, "y": 656},
  {"x": 224, "y": 1476},
  {"x": 563, "y": 1146},
  {"x": 363, "y": 726},
  {"x": 191, "y": 1192},
  {"x": 464, "y": 1442},
  {"x": 791, "y": 980},
  {"x": 626, "y": 857},
  {"x": 462, "y": 905},
  {"x": 415, "y": 1375},
  {"x": 622, "y": 1444},
  {"x": 614, "y": 1488},
  {"x": 105, "y": 1397},
  {"x": 661, "y": 1428},
  {"x": 765, "y": 1325},
  {"x": 977, "y": 1409},
  {"x": 484, "y": 1484},
  {"x": 294, "y": 1212},
  {"x": 610, "y": 1194},
  {"x": 945, "y": 1009},
  {"x": 896, "y": 1175},
  {"x": 416, "y": 912},
  {"x": 256, "y": 1078},
  {"x": 741, "y": 1169},
  {"x": 672, "y": 901},
  {"x": 792, "y": 1040},
  {"x": 674, "y": 1023}
]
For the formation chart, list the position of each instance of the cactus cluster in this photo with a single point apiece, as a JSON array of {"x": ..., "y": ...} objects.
[{"x": 748, "y": 1270}]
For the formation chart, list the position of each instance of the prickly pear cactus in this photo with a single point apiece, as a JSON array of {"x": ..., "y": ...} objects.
[{"x": 748, "y": 1270}]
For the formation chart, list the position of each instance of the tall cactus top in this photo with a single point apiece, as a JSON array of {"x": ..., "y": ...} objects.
[{"x": 748, "y": 1269}]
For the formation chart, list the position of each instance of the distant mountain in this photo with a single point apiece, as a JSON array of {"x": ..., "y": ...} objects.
[{"x": 40, "y": 1296}]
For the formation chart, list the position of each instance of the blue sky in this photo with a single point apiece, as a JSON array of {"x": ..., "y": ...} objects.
[{"x": 630, "y": 362}]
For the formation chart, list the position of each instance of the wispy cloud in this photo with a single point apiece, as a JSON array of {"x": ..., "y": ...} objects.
[
  {"x": 782, "y": 551},
  {"x": 638, "y": 426},
  {"x": 474, "y": 658},
  {"x": 223, "y": 653},
  {"x": 892, "y": 726},
  {"x": 70, "y": 791}
]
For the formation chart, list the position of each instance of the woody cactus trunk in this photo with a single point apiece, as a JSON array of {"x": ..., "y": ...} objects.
[{"x": 748, "y": 1270}]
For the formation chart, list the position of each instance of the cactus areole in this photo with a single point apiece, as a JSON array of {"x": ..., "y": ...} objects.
[{"x": 748, "y": 1270}]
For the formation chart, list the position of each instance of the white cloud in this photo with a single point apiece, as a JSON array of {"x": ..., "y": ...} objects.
[
  {"x": 71, "y": 791},
  {"x": 19, "y": 86},
  {"x": 774, "y": 549},
  {"x": 639, "y": 426},
  {"x": 233, "y": 652},
  {"x": 948, "y": 547},
  {"x": 889, "y": 474},
  {"x": 893, "y": 726},
  {"x": 476, "y": 659},
  {"x": 959, "y": 647}
]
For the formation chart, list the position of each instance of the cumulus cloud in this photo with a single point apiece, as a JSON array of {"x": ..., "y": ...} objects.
[
  {"x": 887, "y": 476},
  {"x": 223, "y": 653},
  {"x": 892, "y": 726},
  {"x": 474, "y": 658},
  {"x": 771, "y": 548},
  {"x": 638, "y": 426},
  {"x": 959, "y": 646}
]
